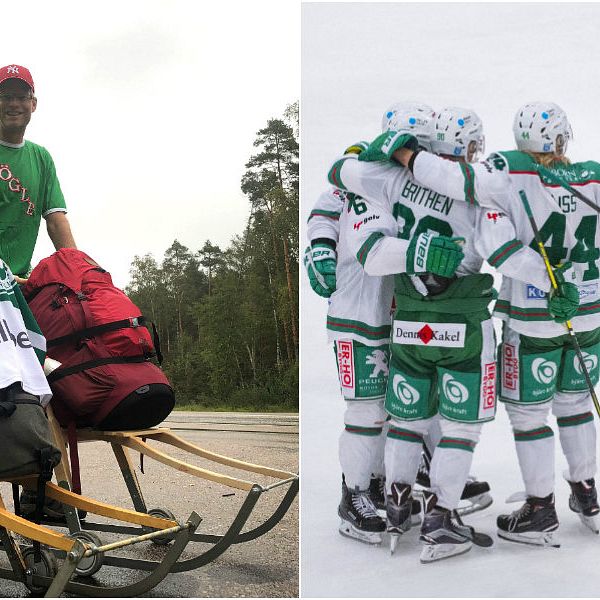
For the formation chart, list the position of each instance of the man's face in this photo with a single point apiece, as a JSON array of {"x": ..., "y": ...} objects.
[{"x": 16, "y": 105}]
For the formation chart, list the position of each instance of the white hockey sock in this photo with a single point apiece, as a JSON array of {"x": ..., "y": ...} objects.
[
  {"x": 578, "y": 440},
  {"x": 450, "y": 468},
  {"x": 360, "y": 442},
  {"x": 403, "y": 448},
  {"x": 534, "y": 441},
  {"x": 535, "y": 450}
]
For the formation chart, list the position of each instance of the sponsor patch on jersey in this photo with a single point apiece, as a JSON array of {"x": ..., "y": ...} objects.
[
  {"x": 534, "y": 293},
  {"x": 510, "y": 367},
  {"x": 587, "y": 290},
  {"x": 418, "y": 333},
  {"x": 365, "y": 220},
  {"x": 346, "y": 364},
  {"x": 488, "y": 385},
  {"x": 493, "y": 216}
]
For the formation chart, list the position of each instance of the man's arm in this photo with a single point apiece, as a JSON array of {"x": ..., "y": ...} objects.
[{"x": 59, "y": 230}]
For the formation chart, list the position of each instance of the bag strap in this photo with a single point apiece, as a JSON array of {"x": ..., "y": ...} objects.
[
  {"x": 90, "y": 364},
  {"x": 132, "y": 322},
  {"x": 74, "y": 456}
]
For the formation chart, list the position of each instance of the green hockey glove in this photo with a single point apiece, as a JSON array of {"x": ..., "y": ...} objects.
[
  {"x": 320, "y": 262},
  {"x": 385, "y": 144},
  {"x": 432, "y": 253},
  {"x": 563, "y": 302}
]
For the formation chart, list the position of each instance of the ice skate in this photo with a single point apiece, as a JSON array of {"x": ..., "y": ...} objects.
[
  {"x": 441, "y": 537},
  {"x": 360, "y": 520},
  {"x": 535, "y": 523},
  {"x": 377, "y": 492},
  {"x": 584, "y": 501},
  {"x": 399, "y": 508},
  {"x": 475, "y": 496}
]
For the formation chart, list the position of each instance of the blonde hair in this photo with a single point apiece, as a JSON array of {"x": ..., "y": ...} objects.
[{"x": 549, "y": 159}]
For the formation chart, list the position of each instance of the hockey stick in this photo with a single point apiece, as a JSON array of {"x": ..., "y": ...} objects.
[
  {"x": 560, "y": 181},
  {"x": 574, "y": 341}
]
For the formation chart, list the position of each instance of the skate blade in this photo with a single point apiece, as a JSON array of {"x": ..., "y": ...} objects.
[
  {"x": 394, "y": 539},
  {"x": 435, "y": 552},
  {"x": 348, "y": 530},
  {"x": 476, "y": 503},
  {"x": 590, "y": 523},
  {"x": 542, "y": 538},
  {"x": 517, "y": 497}
]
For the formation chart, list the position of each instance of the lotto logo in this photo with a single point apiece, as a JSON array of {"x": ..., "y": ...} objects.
[
  {"x": 346, "y": 364},
  {"x": 488, "y": 385},
  {"x": 405, "y": 392},
  {"x": 510, "y": 371},
  {"x": 590, "y": 361},
  {"x": 544, "y": 371},
  {"x": 455, "y": 391}
]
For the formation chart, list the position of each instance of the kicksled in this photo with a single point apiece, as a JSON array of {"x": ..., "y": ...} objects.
[
  {"x": 36, "y": 564},
  {"x": 145, "y": 442}
]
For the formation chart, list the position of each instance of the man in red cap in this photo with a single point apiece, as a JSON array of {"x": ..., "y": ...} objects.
[{"x": 29, "y": 187}]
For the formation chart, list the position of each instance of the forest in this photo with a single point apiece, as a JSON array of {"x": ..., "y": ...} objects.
[{"x": 228, "y": 317}]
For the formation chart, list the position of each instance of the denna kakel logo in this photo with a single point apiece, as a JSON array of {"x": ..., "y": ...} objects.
[
  {"x": 544, "y": 371},
  {"x": 379, "y": 361},
  {"x": 590, "y": 360},
  {"x": 405, "y": 392},
  {"x": 455, "y": 391}
]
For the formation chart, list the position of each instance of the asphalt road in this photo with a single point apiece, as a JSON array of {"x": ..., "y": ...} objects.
[{"x": 265, "y": 567}]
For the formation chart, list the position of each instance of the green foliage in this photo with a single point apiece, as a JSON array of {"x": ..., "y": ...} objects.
[{"x": 228, "y": 319}]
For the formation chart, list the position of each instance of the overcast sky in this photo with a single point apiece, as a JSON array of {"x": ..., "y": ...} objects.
[{"x": 150, "y": 109}]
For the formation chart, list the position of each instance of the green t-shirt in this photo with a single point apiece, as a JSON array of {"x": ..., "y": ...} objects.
[{"x": 29, "y": 190}]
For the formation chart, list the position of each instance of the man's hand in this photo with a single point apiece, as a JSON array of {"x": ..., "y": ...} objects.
[
  {"x": 563, "y": 301},
  {"x": 385, "y": 144},
  {"x": 320, "y": 262},
  {"x": 432, "y": 253},
  {"x": 20, "y": 280}
]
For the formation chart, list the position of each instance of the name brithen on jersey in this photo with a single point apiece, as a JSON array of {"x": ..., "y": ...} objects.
[{"x": 422, "y": 196}]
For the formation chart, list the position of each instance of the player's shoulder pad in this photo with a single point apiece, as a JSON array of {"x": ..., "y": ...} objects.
[{"x": 588, "y": 170}]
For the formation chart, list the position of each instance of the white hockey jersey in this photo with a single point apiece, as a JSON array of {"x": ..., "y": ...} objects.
[
  {"x": 568, "y": 228},
  {"x": 360, "y": 307},
  {"x": 22, "y": 345},
  {"x": 396, "y": 207}
]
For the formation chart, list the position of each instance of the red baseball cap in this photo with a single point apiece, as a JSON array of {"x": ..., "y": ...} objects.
[{"x": 17, "y": 72}]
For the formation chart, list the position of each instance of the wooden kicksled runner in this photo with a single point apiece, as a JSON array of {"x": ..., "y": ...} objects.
[
  {"x": 123, "y": 441},
  {"x": 37, "y": 568}
]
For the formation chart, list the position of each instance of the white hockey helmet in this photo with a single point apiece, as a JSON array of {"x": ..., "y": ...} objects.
[
  {"x": 413, "y": 117},
  {"x": 542, "y": 127},
  {"x": 458, "y": 132}
]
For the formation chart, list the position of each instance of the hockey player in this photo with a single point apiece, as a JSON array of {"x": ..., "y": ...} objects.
[
  {"x": 539, "y": 367},
  {"x": 358, "y": 323},
  {"x": 443, "y": 343}
]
